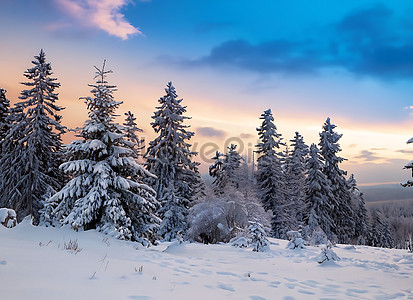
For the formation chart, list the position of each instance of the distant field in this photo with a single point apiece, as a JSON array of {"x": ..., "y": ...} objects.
[
  {"x": 381, "y": 202},
  {"x": 386, "y": 192}
]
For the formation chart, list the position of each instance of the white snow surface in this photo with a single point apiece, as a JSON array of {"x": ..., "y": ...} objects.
[{"x": 35, "y": 265}]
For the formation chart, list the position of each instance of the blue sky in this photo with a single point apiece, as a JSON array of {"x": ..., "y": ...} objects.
[{"x": 230, "y": 60}]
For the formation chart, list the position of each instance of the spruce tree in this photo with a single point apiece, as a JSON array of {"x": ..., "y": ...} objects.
[
  {"x": 174, "y": 214},
  {"x": 361, "y": 218},
  {"x": 12, "y": 170},
  {"x": 106, "y": 191},
  {"x": 270, "y": 176},
  {"x": 258, "y": 237},
  {"x": 296, "y": 179},
  {"x": 225, "y": 170},
  {"x": 4, "y": 114},
  {"x": 217, "y": 171},
  {"x": 169, "y": 156},
  {"x": 131, "y": 135},
  {"x": 31, "y": 167},
  {"x": 409, "y": 165},
  {"x": 318, "y": 202},
  {"x": 343, "y": 212},
  {"x": 380, "y": 233}
]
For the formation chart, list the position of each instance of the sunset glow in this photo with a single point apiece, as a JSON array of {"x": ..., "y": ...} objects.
[{"x": 231, "y": 61}]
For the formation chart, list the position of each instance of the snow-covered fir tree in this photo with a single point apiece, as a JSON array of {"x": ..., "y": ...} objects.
[
  {"x": 409, "y": 165},
  {"x": 327, "y": 254},
  {"x": 343, "y": 211},
  {"x": 169, "y": 156},
  {"x": 106, "y": 191},
  {"x": 225, "y": 169},
  {"x": 319, "y": 197},
  {"x": 270, "y": 176},
  {"x": 12, "y": 150},
  {"x": 4, "y": 113},
  {"x": 257, "y": 237},
  {"x": 217, "y": 171},
  {"x": 361, "y": 218},
  {"x": 380, "y": 233},
  {"x": 31, "y": 167},
  {"x": 174, "y": 214},
  {"x": 296, "y": 179},
  {"x": 131, "y": 134}
]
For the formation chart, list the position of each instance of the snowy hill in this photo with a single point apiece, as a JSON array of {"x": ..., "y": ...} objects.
[{"x": 35, "y": 265}]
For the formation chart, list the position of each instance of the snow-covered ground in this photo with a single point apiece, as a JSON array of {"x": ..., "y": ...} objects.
[{"x": 35, "y": 265}]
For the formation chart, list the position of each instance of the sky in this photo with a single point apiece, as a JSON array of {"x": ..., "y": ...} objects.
[{"x": 230, "y": 60}]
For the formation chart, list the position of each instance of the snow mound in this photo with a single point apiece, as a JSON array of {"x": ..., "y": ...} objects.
[{"x": 8, "y": 217}]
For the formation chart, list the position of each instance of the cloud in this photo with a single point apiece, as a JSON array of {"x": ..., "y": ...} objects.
[
  {"x": 368, "y": 42},
  {"x": 405, "y": 151},
  {"x": 246, "y": 135},
  {"x": 210, "y": 132},
  {"x": 272, "y": 56},
  {"x": 369, "y": 156},
  {"x": 102, "y": 14}
]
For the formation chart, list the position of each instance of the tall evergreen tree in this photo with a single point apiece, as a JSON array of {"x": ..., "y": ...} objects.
[
  {"x": 343, "y": 211},
  {"x": 4, "y": 114},
  {"x": 174, "y": 214},
  {"x": 169, "y": 156},
  {"x": 361, "y": 218},
  {"x": 319, "y": 196},
  {"x": 106, "y": 191},
  {"x": 295, "y": 178},
  {"x": 12, "y": 170},
  {"x": 131, "y": 134},
  {"x": 380, "y": 233},
  {"x": 217, "y": 171},
  {"x": 225, "y": 170},
  {"x": 409, "y": 165},
  {"x": 270, "y": 176},
  {"x": 31, "y": 167}
]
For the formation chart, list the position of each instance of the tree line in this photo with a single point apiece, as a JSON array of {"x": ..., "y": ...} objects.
[{"x": 96, "y": 182}]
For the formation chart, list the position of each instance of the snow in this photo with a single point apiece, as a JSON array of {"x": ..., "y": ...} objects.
[
  {"x": 409, "y": 165},
  {"x": 5, "y": 213},
  {"x": 35, "y": 265}
]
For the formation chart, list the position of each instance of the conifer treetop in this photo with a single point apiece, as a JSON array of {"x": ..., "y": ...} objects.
[{"x": 267, "y": 133}]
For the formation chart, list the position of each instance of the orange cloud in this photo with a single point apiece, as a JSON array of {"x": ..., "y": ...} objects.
[{"x": 102, "y": 14}]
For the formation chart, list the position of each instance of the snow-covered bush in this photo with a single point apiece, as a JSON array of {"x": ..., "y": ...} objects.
[
  {"x": 327, "y": 254},
  {"x": 315, "y": 237},
  {"x": 216, "y": 220},
  {"x": 8, "y": 217},
  {"x": 296, "y": 241},
  {"x": 258, "y": 237},
  {"x": 240, "y": 241}
]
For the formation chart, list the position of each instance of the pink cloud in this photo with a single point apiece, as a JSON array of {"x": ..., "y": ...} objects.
[{"x": 102, "y": 14}]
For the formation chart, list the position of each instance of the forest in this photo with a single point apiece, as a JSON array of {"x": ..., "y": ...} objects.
[{"x": 107, "y": 181}]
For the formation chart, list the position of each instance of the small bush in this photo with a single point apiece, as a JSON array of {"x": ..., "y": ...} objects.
[
  {"x": 72, "y": 246},
  {"x": 327, "y": 254},
  {"x": 214, "y": 221},
  {"x": 296, "y": 241}
]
